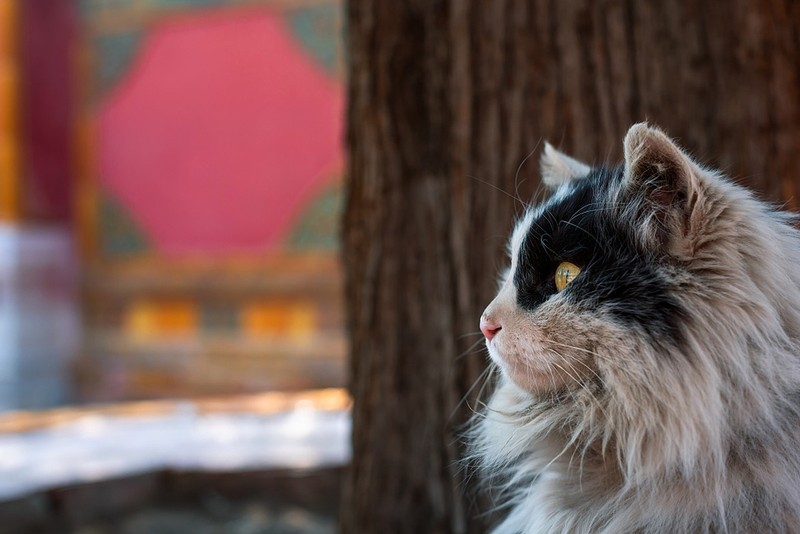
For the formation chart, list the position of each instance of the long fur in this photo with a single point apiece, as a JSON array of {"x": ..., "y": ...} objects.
[{"x": 632, "y": 427}]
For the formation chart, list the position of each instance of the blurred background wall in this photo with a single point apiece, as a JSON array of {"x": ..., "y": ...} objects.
[{"x": 171, "y": 184}]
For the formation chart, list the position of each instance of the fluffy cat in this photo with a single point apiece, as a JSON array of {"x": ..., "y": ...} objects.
[{"x": 647, "y": 334}]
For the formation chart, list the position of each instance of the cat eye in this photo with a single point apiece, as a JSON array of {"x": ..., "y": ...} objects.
[{"x": 566, "y": 273}]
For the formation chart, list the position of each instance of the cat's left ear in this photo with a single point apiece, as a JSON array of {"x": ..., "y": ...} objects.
[
  {"x": 663, "y": 181},
  {"x": 557, "y": 168}
]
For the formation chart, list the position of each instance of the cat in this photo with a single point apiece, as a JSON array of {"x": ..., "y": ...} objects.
[{"x": 647, "y": 335}]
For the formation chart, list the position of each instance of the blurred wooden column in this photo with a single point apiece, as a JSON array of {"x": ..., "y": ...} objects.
[
  {"x": 447, "y": 98},
  {"x": 35, "y": 103},
  {"x": 439, "y": 122},
  {"x": 38, "y": 270},
  {"x": 9, "y": 102}
]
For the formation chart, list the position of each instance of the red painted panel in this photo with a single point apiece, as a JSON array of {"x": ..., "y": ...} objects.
[
  {"x": 46, "y": 36},
  {"x": 220, "y": 133}
]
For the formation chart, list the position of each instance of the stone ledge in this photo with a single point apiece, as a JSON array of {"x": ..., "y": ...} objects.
[{"x": 43, "y": 451}]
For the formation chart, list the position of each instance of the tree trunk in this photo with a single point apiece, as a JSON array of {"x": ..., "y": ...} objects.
[{"x": 447, "y": 98}]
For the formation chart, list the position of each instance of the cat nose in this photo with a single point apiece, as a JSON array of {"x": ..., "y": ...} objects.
[{"x": 489, "y": 327}]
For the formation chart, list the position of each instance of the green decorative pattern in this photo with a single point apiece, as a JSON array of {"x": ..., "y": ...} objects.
[
  {"x": 188, "y": 3},
  {"x": 88, "y": 7},
  {"x": 318, "y": 226},
  {"x": 119, "y": 233},
  {"x": 115, "y": 53},
  {"x": 319, "y": 30}
]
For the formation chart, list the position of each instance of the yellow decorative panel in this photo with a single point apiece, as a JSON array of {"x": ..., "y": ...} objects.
[
  {"x": 295, "y": 319},
  {"x": 152, "y": 319}
]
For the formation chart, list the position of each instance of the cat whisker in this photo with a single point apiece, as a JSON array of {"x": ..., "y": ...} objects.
[
  {"x": 600, "y": 206},
  {"x": 581, "y": 384},
  {"x": 500, "y": 189},
  {"x": 616, "y": 359},
  {"x": 519, "y": 167},
  {"x": 585, "y": 231},
  {"x": 484, "y": 374},
  {"x": 552, "y": 381},
  {"x": 591, "y": 370},
  {"x": 470, "y": 350},
  {"x": 545, "y": 246},
  {"x": 591, "y": 352},
  {"x": 469, "y": 334},
  {"x": 575, "y": 437},
  {"x": 585, "y": 209}
]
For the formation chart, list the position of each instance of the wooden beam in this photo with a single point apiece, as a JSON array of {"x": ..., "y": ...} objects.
[{"x": 10, "y": 209}]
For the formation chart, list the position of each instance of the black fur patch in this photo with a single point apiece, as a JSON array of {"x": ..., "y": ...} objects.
[{"x": 616, "y": 275}]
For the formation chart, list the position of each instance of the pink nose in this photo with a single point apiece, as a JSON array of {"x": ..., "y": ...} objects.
[{"x": 489, "y": 327}]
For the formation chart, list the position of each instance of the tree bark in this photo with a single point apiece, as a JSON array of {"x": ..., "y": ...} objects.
[{"x": 447, "y": 98}]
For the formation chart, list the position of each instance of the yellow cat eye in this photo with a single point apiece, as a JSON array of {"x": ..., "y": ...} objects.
[{"x": 566, "y": 273}]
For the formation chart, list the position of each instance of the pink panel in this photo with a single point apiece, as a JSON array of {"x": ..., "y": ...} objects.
[{"x": 220, "y": 133}]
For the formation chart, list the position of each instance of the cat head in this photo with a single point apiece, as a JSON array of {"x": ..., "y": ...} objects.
[
  {"x": 641, "y": 290},
  {"x": 594, "y": 266}
]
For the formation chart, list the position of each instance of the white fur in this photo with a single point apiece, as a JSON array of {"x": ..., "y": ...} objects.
[{"x": 558, "y": 169}]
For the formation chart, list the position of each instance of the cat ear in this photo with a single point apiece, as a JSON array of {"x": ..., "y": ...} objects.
[
  {"x": 659, "y": 173},
  {"x": 557, "y": 168}
]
